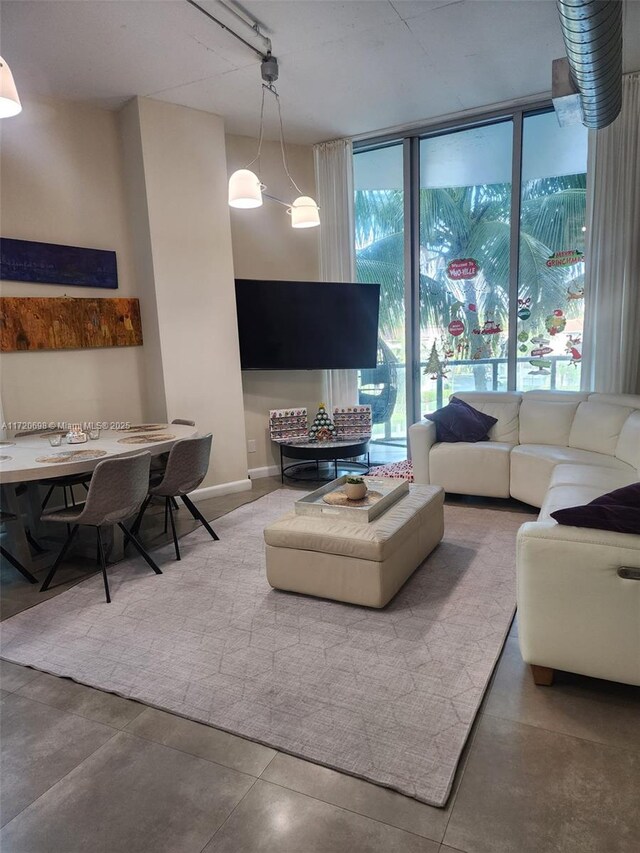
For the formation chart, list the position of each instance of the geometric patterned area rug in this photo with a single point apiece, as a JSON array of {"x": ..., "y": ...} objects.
[{"x": 386, "y": 695}]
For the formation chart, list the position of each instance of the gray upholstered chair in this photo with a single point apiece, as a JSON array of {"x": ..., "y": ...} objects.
[
  {"x": 117, "y": 490},
  {"x": 187, "y": 467},
  {"x": 183, "y": 422},
  {"x": 9, "y": 516}
]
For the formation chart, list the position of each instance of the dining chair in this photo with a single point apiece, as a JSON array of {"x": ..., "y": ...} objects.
[
  {"x": 187, "y": 467},
  {"x": 9, "y": 516},
  {"x": 159, "y": 463},
  {"x": 116, "y": 491}
]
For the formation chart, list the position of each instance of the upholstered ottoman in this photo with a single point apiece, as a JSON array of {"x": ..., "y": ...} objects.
[{"x": 359, "y": 563}]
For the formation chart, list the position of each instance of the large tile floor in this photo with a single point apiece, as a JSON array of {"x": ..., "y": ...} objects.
[{"x": 546, "y": 769}]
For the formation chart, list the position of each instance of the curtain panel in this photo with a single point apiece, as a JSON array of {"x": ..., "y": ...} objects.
[
  {"x": 334, "y": 183},
  {"x": 611, "y": 345}
]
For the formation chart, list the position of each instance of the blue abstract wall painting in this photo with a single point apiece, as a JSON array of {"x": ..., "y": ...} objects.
[{"x": 49, "y": 263}]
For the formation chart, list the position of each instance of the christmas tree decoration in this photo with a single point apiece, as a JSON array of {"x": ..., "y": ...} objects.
[
  {"x": 322, "y": 428},
  {"x": 435, "y": 367}
]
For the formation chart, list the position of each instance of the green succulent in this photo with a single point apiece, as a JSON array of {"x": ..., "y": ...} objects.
[{"x": 355, "y": 481}]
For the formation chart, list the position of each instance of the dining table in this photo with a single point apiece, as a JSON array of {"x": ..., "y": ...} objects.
[{"x": 29, "y": 461}]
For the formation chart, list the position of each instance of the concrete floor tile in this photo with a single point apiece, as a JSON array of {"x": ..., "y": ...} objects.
[
  {"x": 272, "y": 819},
  {"x": 202, "y": 741},
  {"x": 358, "y": 796},
  {"x": 13, "y": 676},
  {"x": 601, "y": 711},
  {"x": 132, "y": 795},
  {"x": 39, "y": 746},
  {"x": 529, "y": 790},
  {"x": 67, "y": 695}
]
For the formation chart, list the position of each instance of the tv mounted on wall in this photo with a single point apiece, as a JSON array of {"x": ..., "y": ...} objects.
[{"x": 307, "y": 325}]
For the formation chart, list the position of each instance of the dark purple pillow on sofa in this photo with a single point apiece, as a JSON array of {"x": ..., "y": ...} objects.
[
  {"x": 461, "y": 422},
  {"x": 618, "y": 511}
]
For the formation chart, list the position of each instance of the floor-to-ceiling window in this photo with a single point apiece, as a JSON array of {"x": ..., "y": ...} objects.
[
  {"x": 379, "y": 225},
  {"x": 480, "y": 261}
]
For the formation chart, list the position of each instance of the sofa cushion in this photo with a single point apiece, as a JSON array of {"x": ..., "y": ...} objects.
[
  {"x": 471, "y": 469},
  {"x": 618, "y": 511},
  {"x": 597, "y": 426},
  {"x": 592, "y": 476},
  {"x": 503, "y": 405},
  {"x": 461, "y": 422},
  {"x": 628, "y": 447},
  {"x": 532, "y": 466},
  {"x": 630, "y": 401},
  {"x": 546, "y": 422}
]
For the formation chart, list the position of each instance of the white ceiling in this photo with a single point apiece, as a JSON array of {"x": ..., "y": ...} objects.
[{"x": 347, "y": 68}]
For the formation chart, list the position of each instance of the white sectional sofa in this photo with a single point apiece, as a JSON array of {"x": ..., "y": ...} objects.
[{"x": 578, "y": 596}]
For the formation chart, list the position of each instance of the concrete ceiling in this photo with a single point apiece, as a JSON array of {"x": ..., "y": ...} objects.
[{"x": 346, "y": 68}]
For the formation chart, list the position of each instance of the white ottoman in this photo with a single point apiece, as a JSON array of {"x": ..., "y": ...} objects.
[{"x": 359, "y": 563}]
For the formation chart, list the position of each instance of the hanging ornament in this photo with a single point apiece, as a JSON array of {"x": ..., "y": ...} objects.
[
  {"x": 523, "y": 347},
  {"x": 456, "y": 327},
  {"x": 524, "y": 313},
  {"x": 523, "y": 336},
  {"x": 472, "y": 307}
]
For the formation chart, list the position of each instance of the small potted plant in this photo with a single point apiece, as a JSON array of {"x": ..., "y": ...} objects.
[{"x": 355, "y": 488}]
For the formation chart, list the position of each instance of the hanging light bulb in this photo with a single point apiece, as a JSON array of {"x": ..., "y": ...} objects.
[
  {"x": 304, "y": 213},
  {"x": 9, "y": 101},
  {"x": 245, "y": 189}
]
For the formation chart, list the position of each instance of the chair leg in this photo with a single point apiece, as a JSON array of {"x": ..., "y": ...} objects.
[
  {"x": 174, "y": 503},
  {"x": 103, "y": 566},
  {"x": 138, "y": 521},
  {"x": 66, "y": 506},
  {"x": 59, "y": 558},
  {"x": 166, "y": 514},
  {"x": 173, "y": 530},
  {"x": 47, "y": 496},
  {"x": 73, "y": 497},
  {"x": 138, "y": 546},
  {"x": 195, "y": 512},
  {"x": 18, "y": 565}
]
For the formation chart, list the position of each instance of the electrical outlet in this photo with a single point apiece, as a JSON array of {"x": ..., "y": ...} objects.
[{"x": 251, "y": 445}]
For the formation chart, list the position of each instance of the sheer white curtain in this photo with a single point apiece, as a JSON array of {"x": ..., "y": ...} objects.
[
  {"x": 334, "y": 183},
  {"x": 611, "y": 346}
]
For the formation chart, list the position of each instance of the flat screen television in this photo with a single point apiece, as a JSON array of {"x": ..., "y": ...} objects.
[{"x": 307, "y": 325}]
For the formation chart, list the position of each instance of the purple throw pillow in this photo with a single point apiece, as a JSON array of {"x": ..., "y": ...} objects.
[
  {"x": 461, "y": 422},
  {"x": 618, "y": 511}
]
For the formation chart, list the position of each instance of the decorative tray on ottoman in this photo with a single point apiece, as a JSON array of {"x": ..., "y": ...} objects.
[{"x": 330, "y": 499}]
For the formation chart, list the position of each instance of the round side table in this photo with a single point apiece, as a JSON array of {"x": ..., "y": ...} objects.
[{"x": 345, "y": 452}]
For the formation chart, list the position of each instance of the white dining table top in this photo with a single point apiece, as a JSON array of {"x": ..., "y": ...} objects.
[{"x": 19, "y": 456}]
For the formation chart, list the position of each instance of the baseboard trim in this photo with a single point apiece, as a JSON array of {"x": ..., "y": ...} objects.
[
  {"x": 221, "y": 489},
  {"x": 266, "y": 471}
]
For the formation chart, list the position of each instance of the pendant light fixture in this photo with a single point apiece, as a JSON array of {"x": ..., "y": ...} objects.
[
  {"x": 246, "y": 189},
  {"x": 9, "y": 101}
]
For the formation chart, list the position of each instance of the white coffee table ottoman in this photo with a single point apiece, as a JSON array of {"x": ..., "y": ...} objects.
[{"x": 359, "y": 563}]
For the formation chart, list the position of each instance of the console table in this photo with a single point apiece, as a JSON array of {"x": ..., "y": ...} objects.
[{"x": 345, "y": 452}]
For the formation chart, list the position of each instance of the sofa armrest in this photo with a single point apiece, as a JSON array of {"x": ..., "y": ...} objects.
[
  {"x": 422, "y": 436},
  {"x": 576, "y": 610}
]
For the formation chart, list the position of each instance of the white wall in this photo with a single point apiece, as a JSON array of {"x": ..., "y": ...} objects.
[
  {"x": 61, "y": 181},
  {"x": 177, "y": 170},
  {"x": 266, "y": 246}
]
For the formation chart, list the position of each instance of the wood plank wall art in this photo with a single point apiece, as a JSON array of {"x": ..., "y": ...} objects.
[
  {"x": 50, "y": 263},
  {"x": 29, "y": 323}
]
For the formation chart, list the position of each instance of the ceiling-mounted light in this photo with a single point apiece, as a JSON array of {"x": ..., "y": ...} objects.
[
  {"x": 304, "y": 213},
  {"x": 246, "y": 188},
  {"x": 9, "y": 101}
]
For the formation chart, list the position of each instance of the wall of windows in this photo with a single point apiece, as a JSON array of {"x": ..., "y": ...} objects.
[{"x": 477, "y": 237}]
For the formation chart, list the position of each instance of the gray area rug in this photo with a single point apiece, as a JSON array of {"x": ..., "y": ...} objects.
[{"x": 389, "y": 696}]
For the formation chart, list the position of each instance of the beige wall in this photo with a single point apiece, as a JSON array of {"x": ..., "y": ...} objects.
[
  {"x": 266, "y": 246},
  {"x": 177, "y": 174},
  {"x": 61, "y": 182}
]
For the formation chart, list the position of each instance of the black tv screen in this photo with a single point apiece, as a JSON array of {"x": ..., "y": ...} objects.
[{"x": 307, "y": 325}]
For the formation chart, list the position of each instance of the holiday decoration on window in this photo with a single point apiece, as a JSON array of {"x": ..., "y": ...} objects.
[
  {"x": 540, "y": 364},
  {"x": 322, "y": 428},
  {"x": 435, "y": 367},
  {"x": 555, "y": 322},
  {"x": 490, "y": 328},
  {"x": 578, "y": 293},
  {"x": 456, "y": 328},
  {"x": 574, "y": 348},
  {"x": 462, "y": 268},
  {"x": 524, "y": 308},
  {"x": 565, "y": 259}
]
